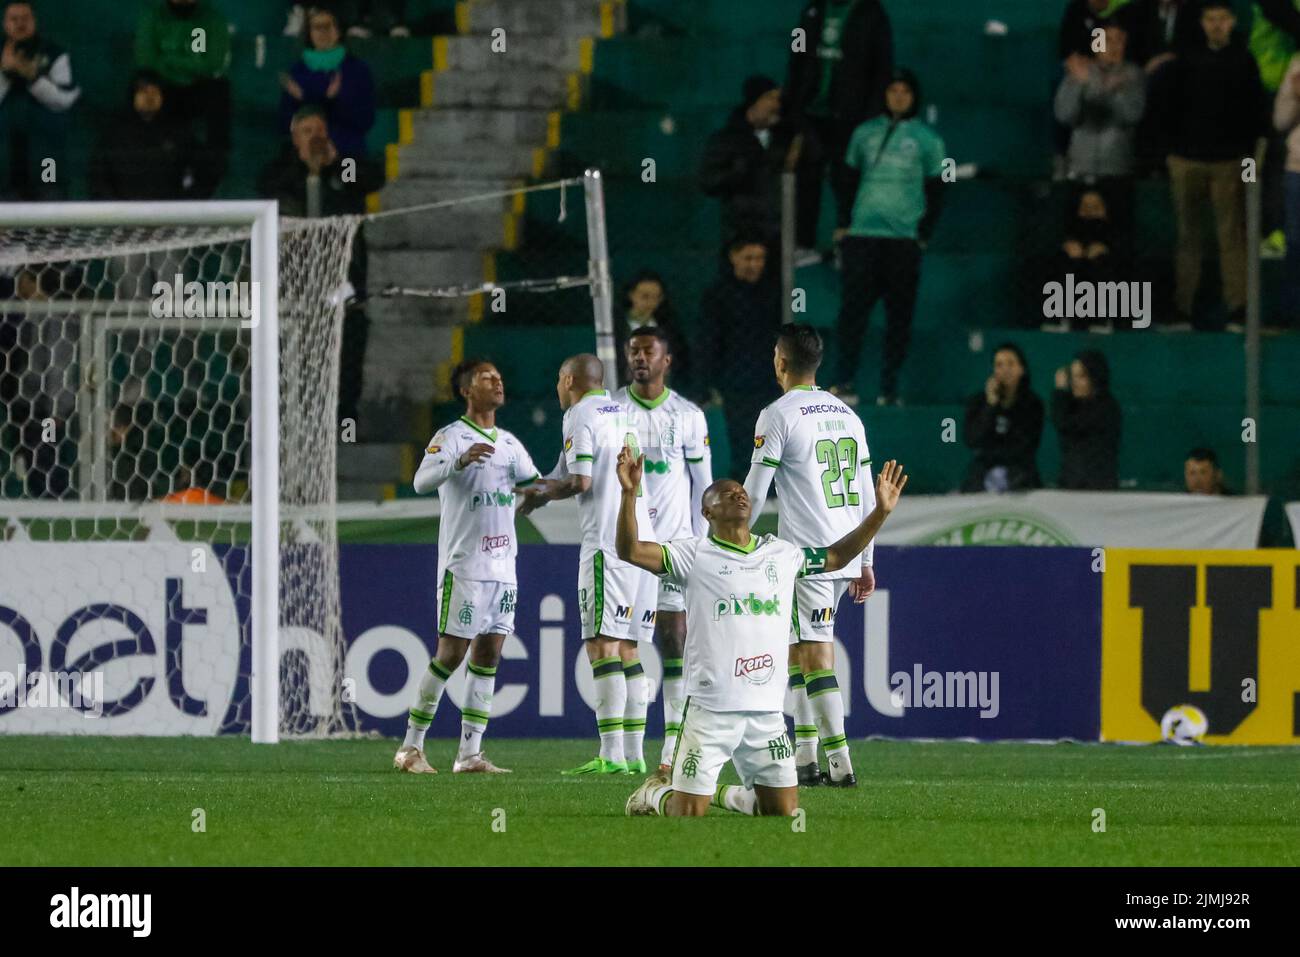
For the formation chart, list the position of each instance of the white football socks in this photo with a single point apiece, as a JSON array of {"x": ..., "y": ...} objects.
[
  {"x": 432, "y": 685},
  {"x": 611, "y": 703}
]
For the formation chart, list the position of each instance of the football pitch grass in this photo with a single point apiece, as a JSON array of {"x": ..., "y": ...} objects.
[{"x": 80, "y": 801}]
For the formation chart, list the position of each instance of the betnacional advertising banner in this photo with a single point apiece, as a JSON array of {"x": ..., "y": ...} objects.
[
  {"x": 160, "y": 642},
  {"x": 1219, "y": 630}
]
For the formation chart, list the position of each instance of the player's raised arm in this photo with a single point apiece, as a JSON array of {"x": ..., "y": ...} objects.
[
  {"x": 889, "y": 486},
  {"x": 647, "y": 555}
]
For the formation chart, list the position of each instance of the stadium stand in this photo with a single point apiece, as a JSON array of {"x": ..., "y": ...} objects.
[{"x": 590, "y": 87}]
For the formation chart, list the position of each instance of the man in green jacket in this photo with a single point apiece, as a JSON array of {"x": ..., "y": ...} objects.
[{"x": 187, "y": 43}]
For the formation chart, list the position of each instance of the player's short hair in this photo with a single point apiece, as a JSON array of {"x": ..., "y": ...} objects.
[
  {"x": 802, "y": 347},
  {"x": 655, "y": 332},
  {"x": 746, "y": 237},
  {"x": 464, "y": 373},
  {"x": 306, "y": 112},
  {"x": 1203, "y": 454},
  {"x": 1207, "y": 5}
]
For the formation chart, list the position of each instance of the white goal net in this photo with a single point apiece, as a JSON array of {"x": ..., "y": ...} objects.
[{"x": 161, "y": 405}]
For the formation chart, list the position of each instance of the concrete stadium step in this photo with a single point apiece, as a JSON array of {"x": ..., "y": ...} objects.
[
  {"x": 405, "y": 367},
  {"x": 398, "y": 311},
  {"x": 352, "y": 490},
  {"x": 523, "y": 127},
  {"x": 537, "y": 52},
  {"x": 424, "y": 268},
  {"x": 532, "y": 89},
  {"x": 569, "y": 18},
  {"x": 465, "y": 227},
  {"x": 375, "y": 461},
  {"x": 430, "y": 162}
]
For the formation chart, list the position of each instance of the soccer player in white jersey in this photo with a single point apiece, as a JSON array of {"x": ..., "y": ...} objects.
[
  {"x": 477, "y": 469},
  {"x": 816, "y": 449},
  {"x": 739, "y": 592},
  {"x": 672, "y": 433},
  {"x": 595, "y": 428}
]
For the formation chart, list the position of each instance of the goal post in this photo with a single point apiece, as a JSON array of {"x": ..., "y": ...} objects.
[{"x": 85, "y": 257}]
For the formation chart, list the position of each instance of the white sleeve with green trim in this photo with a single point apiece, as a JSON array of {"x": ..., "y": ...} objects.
[
  {"x": 679, "y": 559},
  {"x": 769, "y": 438},
  {"x": 579, "y": 440}
]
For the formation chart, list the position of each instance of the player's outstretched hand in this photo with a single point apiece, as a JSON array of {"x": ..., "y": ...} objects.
[
  {"x": 475, "y": 453},
  {"x": 629, "y": 469},
  {"x": 889, "y": 485}
]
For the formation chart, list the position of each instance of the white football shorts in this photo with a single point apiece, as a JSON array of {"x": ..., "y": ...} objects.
[
  {"x": 467, "y": 609},
  {"x": 756, "y": 742}
]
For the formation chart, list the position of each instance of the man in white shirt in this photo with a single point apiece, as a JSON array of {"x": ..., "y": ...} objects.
[
  {"x": 815, "y": 447},
  {"x": 476, "y": 469},
  {"x": 672, "y": 433},
  {"x": 616, "y": 601},
  {"x": 739, "y": 596}
]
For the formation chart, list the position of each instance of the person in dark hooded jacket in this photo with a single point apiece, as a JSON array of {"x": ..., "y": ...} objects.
[
  {"x": 144, "y": 154},
  {"x": 898, "y": 161},
  {"x": 743, "y": 163},
  {"x": 1087, "y": 420},
  {"x": 1004, "y": 424},
  {"x": 835, "y": 81}
]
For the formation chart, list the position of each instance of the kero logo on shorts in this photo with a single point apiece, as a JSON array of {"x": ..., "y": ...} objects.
[{"x": 757, "y": 670}]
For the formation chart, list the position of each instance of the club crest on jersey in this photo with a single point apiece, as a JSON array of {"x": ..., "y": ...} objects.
[
  {"x": 769, "y": 570},
  {"x": 434, "y": 449},
  {"x": 757, "y": 670},
  {"x": 668, "y": 439},
  {"x": 750, "y": 605},
  {"x": 759, "y": 440}
]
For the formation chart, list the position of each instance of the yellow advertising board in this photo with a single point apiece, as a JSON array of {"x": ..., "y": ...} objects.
[{"x": 1216, "y": 629}]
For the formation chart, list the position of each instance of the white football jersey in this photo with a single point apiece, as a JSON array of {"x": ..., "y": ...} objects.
[
  {"x": 671, "y": 432},
  {"x": 476, "y": 528},
  {"x": 739, "y": 604},
  {"x": 818, "y": 446},
  {"x": 595, "y": 430}
]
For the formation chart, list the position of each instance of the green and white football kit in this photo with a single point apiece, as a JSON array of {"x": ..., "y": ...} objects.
[
  {"x": 615, "y": 599},
  {"x": 477, "y": 544},
  {"x": 476, "y": 590},
  {"x": 738, "y": 607}
]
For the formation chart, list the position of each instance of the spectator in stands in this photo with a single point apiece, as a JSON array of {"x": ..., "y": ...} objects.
[
  {"x": 835, "y": 82},
  {"x": 308, "y": 178},
  {"x": 330, "y": 77},
  {"x": 1087, "y": 252},
  {"x": 144, "y": 154},
  {"x": 1274, "y": 40},
  {"x": 1201, "y": 473},
  {"x": 364, "y": 18},
  {"x": 1158, "y": 30},
  {"x": 1213, "y": 105},
  {"x": 740, "y": 316},
  {"x": 1004, "y": 425},
  {"x": 645, "y": 303},
  {"x": 1087, "y": 420},
  {"x": 1101, "y": 100},
  {"x": 898, "y": 162},
  {"x": 197, "y": 87},
  {"x": 743, "y": 162},
  {"x": 1081, "y": 18},
  {"x": 1286, "y": 118},
  {"x": 36, "y": 92}
]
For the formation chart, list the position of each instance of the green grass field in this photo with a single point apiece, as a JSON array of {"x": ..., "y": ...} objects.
[{"x": 129, "y": 801}]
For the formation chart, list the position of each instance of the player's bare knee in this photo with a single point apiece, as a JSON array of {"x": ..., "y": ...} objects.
[{"x": 485, "y": 651}]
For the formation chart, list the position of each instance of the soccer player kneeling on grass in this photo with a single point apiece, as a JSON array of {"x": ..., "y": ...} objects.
[
  {"x": 739, "y": 596},
  {"x": 477, "y": 469}
]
